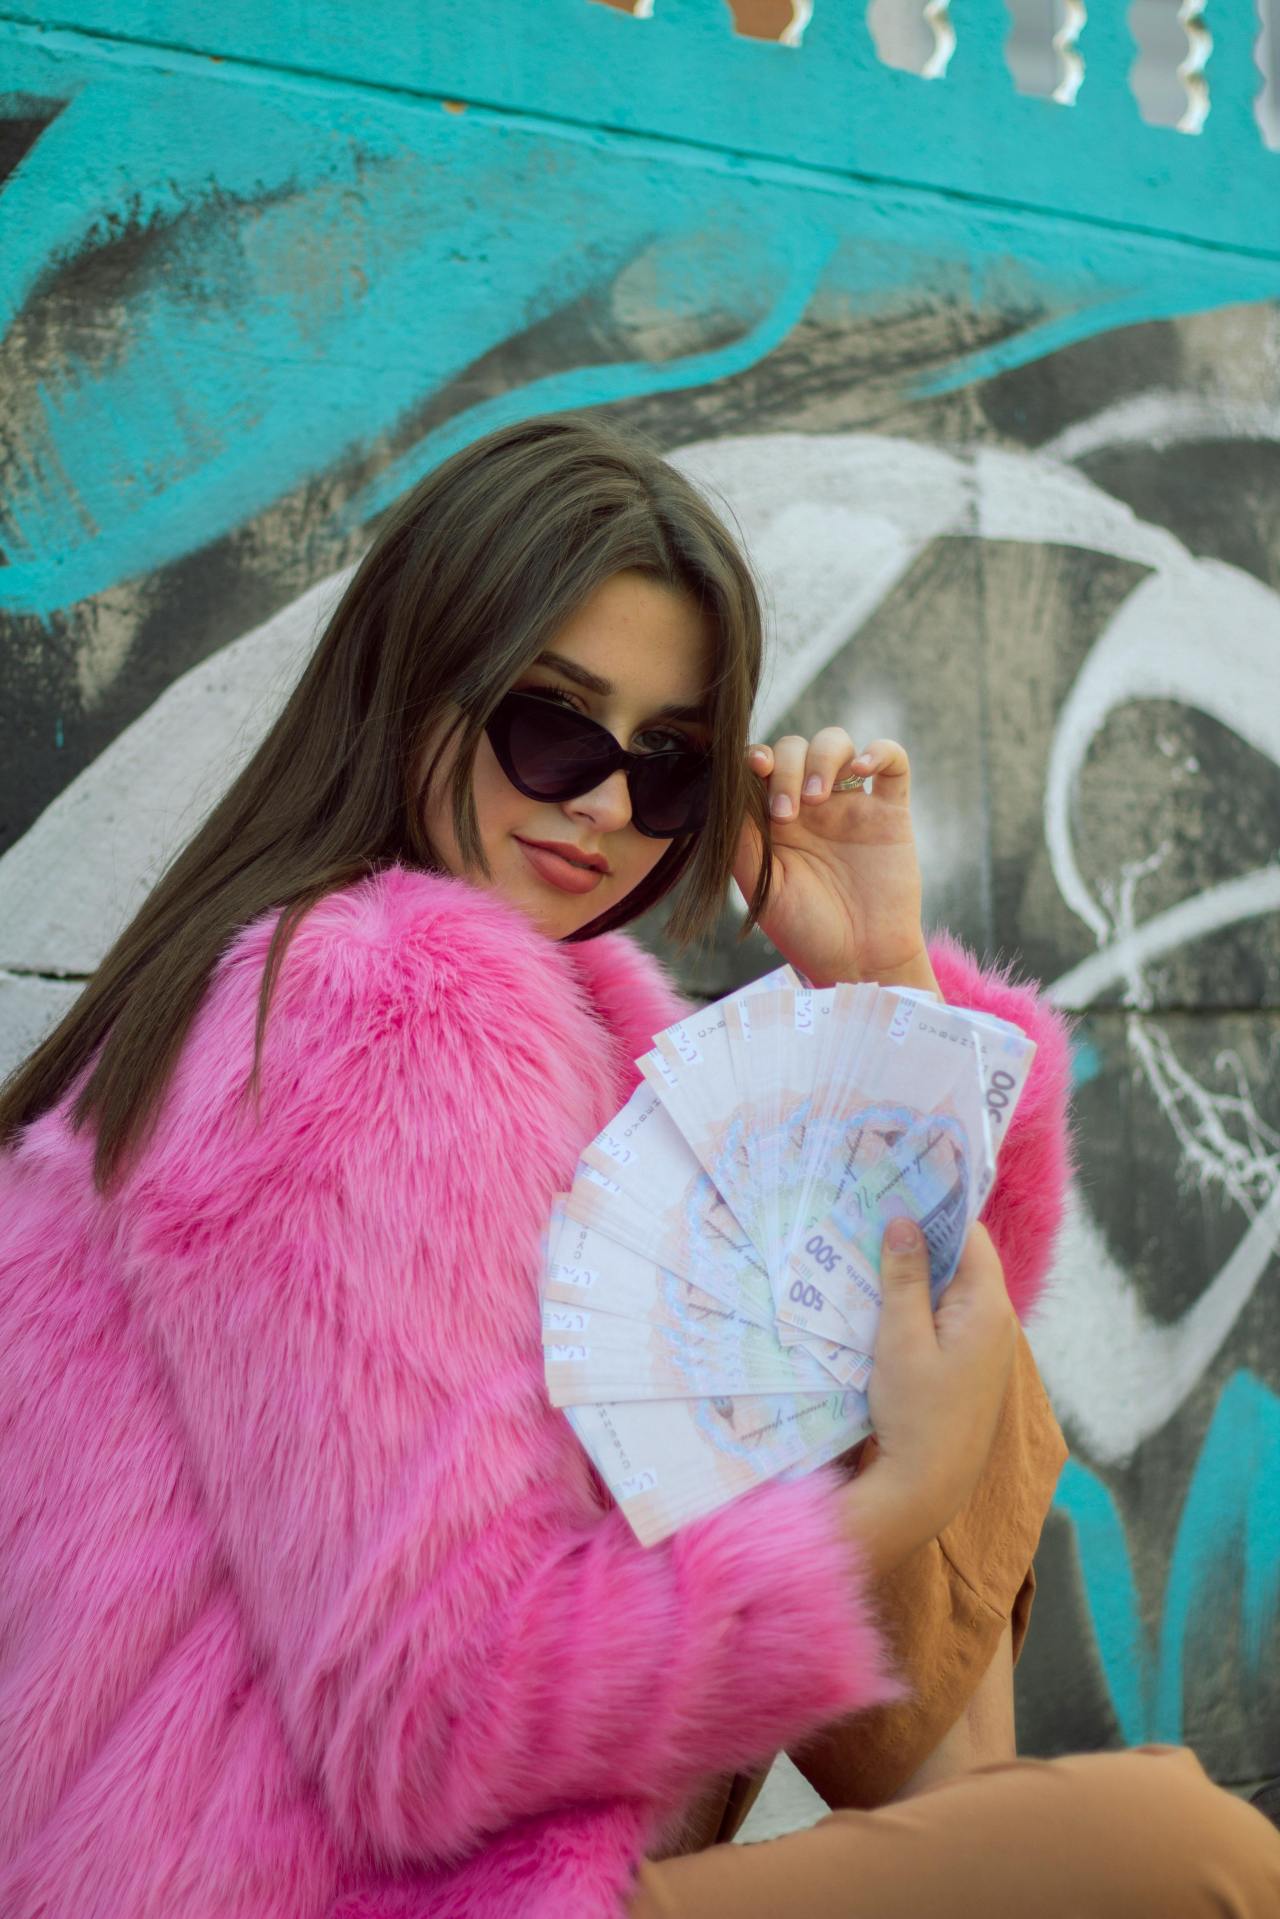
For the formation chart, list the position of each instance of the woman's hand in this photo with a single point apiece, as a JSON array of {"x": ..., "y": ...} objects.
[
  {"x": 846, "y": 881},
  {"x": 937, "y": 1384}
]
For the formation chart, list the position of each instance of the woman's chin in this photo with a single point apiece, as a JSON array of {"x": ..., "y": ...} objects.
[{"x": 552, "y": 913}]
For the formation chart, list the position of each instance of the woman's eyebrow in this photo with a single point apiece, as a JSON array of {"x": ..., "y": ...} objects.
[{"x": 594, "y": 684}]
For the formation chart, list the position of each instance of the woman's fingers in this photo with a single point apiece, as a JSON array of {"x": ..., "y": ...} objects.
[
  {"x": 977, "y": 1290},
  {"x": 802, "y": 771},
  {"x": 789, "y": 755},
  {"x": 830, "y": 757},
  {"x": 907, "y": 1312},
  {"x": 939, "y": 1378},
  {"x": 887, "y": 762}
]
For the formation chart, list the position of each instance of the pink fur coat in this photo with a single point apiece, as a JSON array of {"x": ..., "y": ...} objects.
[{"x": 310, "y": 1603}]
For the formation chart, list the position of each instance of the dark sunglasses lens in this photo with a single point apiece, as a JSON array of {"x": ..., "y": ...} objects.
[
  {"x": 670, "y": 792},
  {"x": 552, "y": 752},
  {"x": 555, "y": 752}
]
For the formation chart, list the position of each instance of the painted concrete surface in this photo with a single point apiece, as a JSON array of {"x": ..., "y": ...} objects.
[
  {"x": 821, "y": 99},
  {"x": 1007, "y": 466}
]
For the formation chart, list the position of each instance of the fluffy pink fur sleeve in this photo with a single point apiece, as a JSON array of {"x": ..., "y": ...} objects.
[{"x": 339, "y": 1301}]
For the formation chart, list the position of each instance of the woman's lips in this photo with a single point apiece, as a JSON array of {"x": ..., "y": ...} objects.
[{"x": 558, "y": 871}]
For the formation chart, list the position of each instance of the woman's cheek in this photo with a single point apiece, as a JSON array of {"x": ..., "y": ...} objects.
[{"x": 644, "y": 858}]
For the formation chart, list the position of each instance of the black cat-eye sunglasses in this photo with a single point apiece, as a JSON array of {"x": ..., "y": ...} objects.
[{"x": 553, "y": 752}]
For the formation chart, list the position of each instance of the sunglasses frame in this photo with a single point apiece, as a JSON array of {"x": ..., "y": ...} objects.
[{"x": 635, "y": 765}]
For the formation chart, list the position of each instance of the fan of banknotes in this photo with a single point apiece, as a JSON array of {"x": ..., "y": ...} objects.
[{"x": 711, "y": 1282}]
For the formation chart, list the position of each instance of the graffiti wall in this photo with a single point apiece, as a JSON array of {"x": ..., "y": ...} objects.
[{"x": 987, "y": 372}]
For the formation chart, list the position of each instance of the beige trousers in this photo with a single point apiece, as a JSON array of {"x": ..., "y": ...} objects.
[
  {"x": 1142, "y": 1834},
  {"x": 1129, "y": 1833}
]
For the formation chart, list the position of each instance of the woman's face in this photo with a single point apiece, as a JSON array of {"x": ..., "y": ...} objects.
[{"x": 642, "y": 647}]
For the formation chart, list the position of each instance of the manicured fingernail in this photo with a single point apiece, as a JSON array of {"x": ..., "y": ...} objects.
[
  {"x": 813, "y": 785},
  {"x": 901, "y": 1235},
  {"x": 758, "y": 754},
  {"x": 780, "y": 806}
]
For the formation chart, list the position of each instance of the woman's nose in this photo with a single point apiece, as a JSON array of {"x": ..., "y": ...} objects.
[{"x": 607, "y": 806}]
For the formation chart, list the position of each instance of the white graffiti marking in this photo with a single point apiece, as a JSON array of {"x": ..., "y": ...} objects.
[
  {"x": 1223, "y": 1138},
  {"x": 1249, "y": 897},
  {"x": 1164, "y": 418}
]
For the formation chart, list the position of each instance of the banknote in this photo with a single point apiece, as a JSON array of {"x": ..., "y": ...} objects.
[
  {"x": 692, "y": 1070},
  {"x": 584, "y": 1267},
  {"x": 710, "y": 1294},
  {"x": 586, "y": 1363},
  {"x": 908, "y": 1130},
  {"x": 682, "y": 1348},
  {"x": 638, "y": 1182},
  {"x": 739, "y": 1089},
  {"x": 667, "y": 1462},
  {"x": 655, "y": 1335}
]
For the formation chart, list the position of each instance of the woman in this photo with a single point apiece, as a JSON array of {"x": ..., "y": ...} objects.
[{"x": 311, "y": 1603}]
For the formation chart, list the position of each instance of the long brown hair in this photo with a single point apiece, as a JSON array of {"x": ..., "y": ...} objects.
[{"x": 463, "y": 587}]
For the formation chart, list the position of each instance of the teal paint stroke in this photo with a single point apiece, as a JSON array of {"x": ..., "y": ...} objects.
[
  {"x": 684, "y": 75},
  {"x": 599, "y": 386},
  {"x": 294, "y": 297},
  {"x": 1228, "y": 1539},
  {"x": 1086, "y": 1062},
  {"x": 1230, "y": 1525},
  {"x": 1111, "y": 1596},
  {"x": 1130, "y": 307}
]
